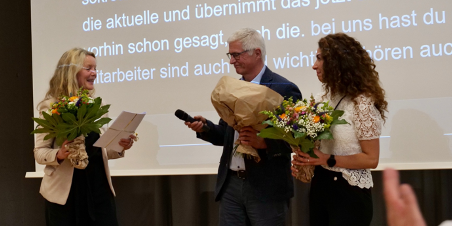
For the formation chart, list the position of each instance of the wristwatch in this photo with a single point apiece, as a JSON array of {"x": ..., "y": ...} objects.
[{"x": 331, "y": 161}]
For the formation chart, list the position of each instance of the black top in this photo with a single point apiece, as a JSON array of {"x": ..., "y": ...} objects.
[{"x": 90, "y": 200}]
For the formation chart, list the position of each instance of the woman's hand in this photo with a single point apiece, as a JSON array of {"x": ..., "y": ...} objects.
[
  {"x": 303, "y": 159},
  {"x": 63, "y": 152},
  {"x": 127, "y": 143}
]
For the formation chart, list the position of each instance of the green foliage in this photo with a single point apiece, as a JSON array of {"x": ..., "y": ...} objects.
[{"x": 70, "y": 124}]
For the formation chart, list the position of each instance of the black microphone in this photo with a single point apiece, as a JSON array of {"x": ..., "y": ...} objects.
[{"x": 182, "y": 115}]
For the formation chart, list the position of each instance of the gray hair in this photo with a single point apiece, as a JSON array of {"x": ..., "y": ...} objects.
[{"x": 250, "y": 39}]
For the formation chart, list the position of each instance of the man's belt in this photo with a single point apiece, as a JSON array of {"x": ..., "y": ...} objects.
[{"x": 240, "y": 173}]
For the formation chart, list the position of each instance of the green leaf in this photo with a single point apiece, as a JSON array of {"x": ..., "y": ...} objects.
[
  {"x": 59, "y": 140},
  {"x": 73, "y": 134},
  {"x": 42, "y": 130},
  {"x": 325, "y": 135},
  {"x": 278, "y": 134},
  {"x": 81, "y": 112},
  {"x": 337, "y": 122},
  {"x": 49, "y": 136},
  {"x": 93, "y": 112},
  {"x": 103, "y": 110},
  {"x": 57, "y": 118},
  {"x": 103, "y": 121},
  {"x": 92, "y": 126},
  {"x": 299, "y": 135},
  {"x": 49, "y": 118},
  {"x": 43, "y": 123},
  {"x": 65, "y": 129},
  {"x": 268, "y": 122},
  {"x": 84, "y": 130},
  {"x": 311, "y": 153},
  {"x": 306, "y": 145},
  {"x": 337, "y": 113},
  {"x": 69, "y": 118}
]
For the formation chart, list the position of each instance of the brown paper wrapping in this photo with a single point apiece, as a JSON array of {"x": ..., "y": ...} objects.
[
  {"x": 77, "y": 153},
  {"x": 239, "y": 102},
  {"x": 305, "y": 173}
]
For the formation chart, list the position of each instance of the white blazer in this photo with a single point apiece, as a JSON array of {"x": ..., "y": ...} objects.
[{"x": 57, "y": 180}]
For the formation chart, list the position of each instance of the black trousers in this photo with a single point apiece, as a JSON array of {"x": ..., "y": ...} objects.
[{"x": 334, "y": 202}]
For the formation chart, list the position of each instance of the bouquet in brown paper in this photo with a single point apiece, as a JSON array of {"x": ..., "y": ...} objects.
[{"x": 239, "y": 104}]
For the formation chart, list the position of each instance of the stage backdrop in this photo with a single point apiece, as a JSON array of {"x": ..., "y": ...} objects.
[{"x": 159, "y": 56}]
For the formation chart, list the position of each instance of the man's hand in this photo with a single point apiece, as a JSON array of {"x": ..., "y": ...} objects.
[
  {"x": 401, "y": 204},
  {"x": 197, "y": 124},
  {"x": 248, "y": 136}
]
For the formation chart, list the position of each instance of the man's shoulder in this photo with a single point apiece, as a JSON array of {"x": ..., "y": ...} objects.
[
  {"x": 282, "y": 85},
  {"x": 277, "y": 78}
]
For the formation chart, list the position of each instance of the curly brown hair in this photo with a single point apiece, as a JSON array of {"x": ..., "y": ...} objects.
[{"x": 348, "y": 70}]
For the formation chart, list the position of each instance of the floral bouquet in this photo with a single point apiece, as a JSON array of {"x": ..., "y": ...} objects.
[
  {"x": 73, "y": 118},
  {"x": 302, "y": 124}
]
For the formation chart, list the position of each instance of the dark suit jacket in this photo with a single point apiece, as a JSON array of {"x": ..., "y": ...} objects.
[{"x": 270, "y": 179}]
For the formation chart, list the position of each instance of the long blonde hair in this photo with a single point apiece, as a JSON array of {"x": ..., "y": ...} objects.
[{"x": 64, "y": 80}]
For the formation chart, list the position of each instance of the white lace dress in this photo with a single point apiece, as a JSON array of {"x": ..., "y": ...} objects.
[{"x": 365, "y": 124}]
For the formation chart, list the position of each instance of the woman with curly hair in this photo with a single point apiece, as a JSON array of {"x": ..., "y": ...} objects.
[{"x": 341, "y": 186}]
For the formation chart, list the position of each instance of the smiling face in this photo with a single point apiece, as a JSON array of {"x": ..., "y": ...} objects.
[
  {"x": 246, "y": 65},
  {"x": 318, "y": 65},
  {"x": 87, "y": 75}
]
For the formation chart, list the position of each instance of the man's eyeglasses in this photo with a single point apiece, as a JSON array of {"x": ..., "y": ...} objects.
[{"x": 236, "y": 55}]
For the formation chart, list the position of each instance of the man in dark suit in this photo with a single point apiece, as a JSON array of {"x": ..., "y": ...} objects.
[{"x": 251, "y": 193}]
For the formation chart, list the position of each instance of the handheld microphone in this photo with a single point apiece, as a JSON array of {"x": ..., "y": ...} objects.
[{"x": 182, "y": 115}]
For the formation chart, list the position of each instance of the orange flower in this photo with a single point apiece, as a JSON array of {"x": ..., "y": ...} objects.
[
  {"x": 298, "y": 109},
  {"x": 283, "y": 116},
  {"x": 73, "y": 98},
  {"x": 55, "y": 111},
  {"x": 316, "y": 119}
]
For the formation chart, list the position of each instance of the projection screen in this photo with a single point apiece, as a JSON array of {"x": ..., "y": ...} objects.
[{"x": 159, "y": 56}]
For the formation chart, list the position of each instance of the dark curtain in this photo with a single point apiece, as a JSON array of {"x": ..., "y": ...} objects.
[
  {"x": 188, "y": 200},
  {"x": 141, "y": 201}
]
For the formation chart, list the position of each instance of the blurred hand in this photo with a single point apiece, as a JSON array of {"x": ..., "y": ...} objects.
[
  {"x": 127, "y": 143},
  {"x": 303, "y": 159},
  {"x": 63, "y": 152},
  {"x": 197, "y": 124},
  {"x": 248, "y": 136},
  {"x": 401, "y": 204}
]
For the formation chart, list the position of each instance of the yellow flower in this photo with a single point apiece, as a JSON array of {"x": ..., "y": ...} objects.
[
  {"x": 301, "y": 108},
  {"x": 73, "y": 98},
  {"x": 327, "y": 117}
]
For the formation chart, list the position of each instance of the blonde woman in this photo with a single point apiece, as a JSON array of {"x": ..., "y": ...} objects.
[{"x": 76, "y": 197}]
